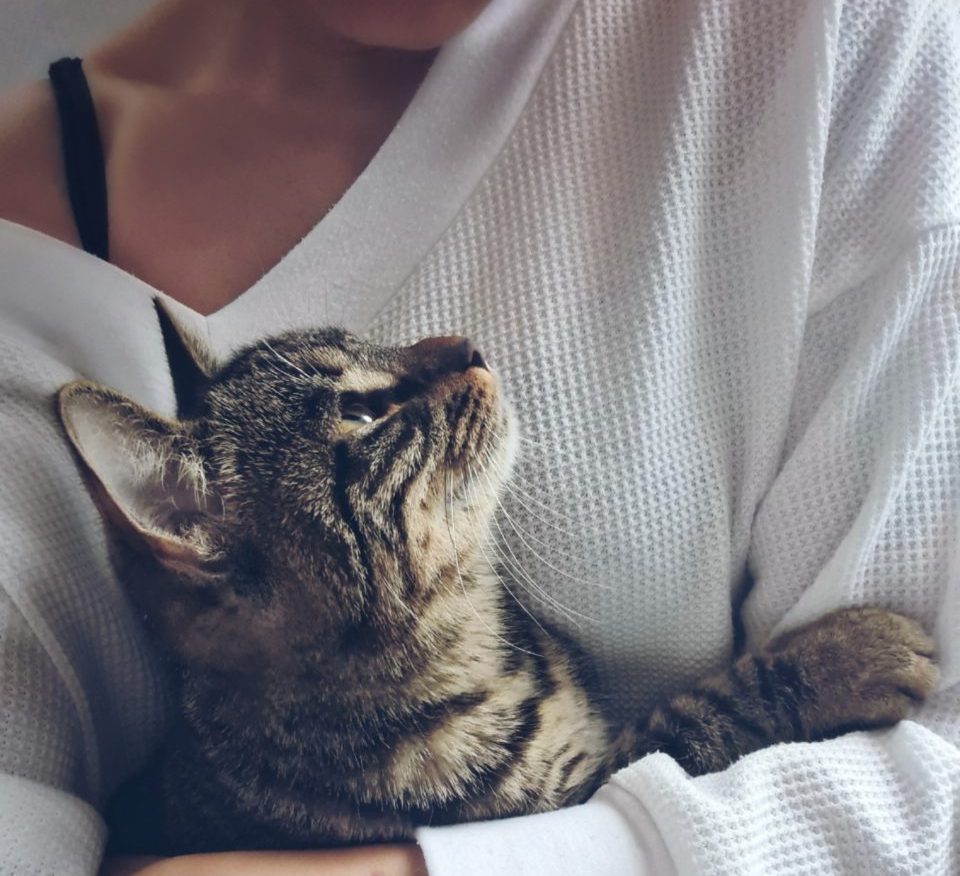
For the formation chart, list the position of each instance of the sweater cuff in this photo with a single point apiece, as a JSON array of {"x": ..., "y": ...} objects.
[
  {"x": 611, "y": 835},
  {"x": 46, "y": 830}
]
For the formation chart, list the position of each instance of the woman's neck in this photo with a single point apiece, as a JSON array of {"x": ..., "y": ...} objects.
[
  {"x": 275, "y": 51},
  {"x": 230, "y": 129}
]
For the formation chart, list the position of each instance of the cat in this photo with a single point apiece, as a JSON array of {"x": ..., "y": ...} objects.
[{"x": 304, "y": 544}]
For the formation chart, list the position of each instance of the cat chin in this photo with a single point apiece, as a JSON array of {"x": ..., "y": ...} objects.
[
  {"x": 482, "y": 376},
  {"x": 480, "y": 484}
]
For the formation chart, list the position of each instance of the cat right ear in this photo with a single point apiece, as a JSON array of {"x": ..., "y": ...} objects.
[
  {"x": 191, "y": 364},
  {"x": 147, "y": 476}
]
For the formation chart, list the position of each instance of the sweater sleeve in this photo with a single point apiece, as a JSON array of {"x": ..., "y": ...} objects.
[
  {"x": 80, "y": 706},
  {"x": 44, "y": 828},
  {"x": 865, "y": 510},
  {"x": 864, "y": 507}
]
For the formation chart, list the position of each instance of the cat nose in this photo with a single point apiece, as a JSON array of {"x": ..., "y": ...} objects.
[{"x": 447, "y": 354}]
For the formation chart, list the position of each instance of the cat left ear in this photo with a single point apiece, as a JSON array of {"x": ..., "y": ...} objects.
[
  {"x": 147, "y": 476},
  {"x": 191, "y": 364}
]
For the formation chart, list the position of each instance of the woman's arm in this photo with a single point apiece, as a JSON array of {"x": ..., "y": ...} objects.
[{"x": 392, "y": 860}]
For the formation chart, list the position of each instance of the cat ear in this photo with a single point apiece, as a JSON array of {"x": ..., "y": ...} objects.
[
  {"x": 191, "y": 364},
  {"x": 147, "y": 476}
]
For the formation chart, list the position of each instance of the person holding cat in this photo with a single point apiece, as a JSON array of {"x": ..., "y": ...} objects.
[{"x": 713, "y": 253}]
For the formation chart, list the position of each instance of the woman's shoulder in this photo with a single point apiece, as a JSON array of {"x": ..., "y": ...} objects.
[{"x": 32, "y": 189}]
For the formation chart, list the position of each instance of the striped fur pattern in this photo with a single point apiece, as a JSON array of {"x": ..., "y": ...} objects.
[{"x": 305, "y": 543}]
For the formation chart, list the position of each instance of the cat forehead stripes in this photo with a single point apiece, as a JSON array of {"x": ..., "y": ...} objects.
[{"x": 328, "y": 354}]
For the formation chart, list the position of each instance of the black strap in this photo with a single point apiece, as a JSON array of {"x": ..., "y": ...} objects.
[{"x": 82, "y": 155}]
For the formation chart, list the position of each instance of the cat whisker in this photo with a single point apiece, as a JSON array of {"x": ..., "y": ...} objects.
[
  {"x": 522, "y": 501},
  {"x": 273, "y": 369},
  {"x": 533, "y": 443},
  {"x": 448, "y": 507},
  {"x": 313, "y": 367},
  {"x": 523, "y": 497},
  {"x": 515, "y": 490},
  {"x": 516, "y": 484},
  {"x": 500, "y": 558},
  {"x": 520, "y": 531},
  {"x": 283, "y": 358},
  {"x": 517, "y": 567},
  {"x": 514, "y": 487},
  {"x": 554, "y": 449},
  {"x": 520, "y": 498},
  {"x": 575, "y": 558},
  {"x": 549, "y": 565}
]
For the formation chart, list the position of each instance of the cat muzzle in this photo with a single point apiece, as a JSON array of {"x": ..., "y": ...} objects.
[{"x": 451, "y": 354}]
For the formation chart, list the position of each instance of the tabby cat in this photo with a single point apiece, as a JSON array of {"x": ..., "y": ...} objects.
[{"x": 305, "y": 544}]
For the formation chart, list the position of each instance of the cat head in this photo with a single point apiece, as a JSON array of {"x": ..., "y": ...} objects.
[{"x": 313, "y": 494}]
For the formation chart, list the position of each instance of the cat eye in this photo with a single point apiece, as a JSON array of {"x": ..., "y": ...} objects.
[{"x": 357, "y": 413}]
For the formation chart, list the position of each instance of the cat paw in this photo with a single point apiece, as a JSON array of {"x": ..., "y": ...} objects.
[{"x": 856, "y": 668}]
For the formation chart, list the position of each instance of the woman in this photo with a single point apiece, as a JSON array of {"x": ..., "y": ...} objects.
[{"x": 714, "y": 251}]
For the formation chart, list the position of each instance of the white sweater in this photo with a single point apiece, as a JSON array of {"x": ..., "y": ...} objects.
[{"x": 713, "y": 248}]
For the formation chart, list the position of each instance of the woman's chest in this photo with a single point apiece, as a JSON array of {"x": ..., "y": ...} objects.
[
  {"x": 207, "y": 194},
  {"x": 619, "y": 520}
]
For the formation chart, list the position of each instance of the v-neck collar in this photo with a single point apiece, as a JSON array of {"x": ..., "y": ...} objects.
[
  {"x": 346, "y": 269},
  {"x": 352, "y": 262}
]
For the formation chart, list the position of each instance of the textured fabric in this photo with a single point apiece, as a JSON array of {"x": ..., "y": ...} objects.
[
  {"x": 716, "y": 260},
  {"x": 611, "y": 833}
]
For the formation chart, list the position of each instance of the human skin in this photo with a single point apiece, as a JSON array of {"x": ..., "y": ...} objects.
[
  {"x": 393, "y": 860},
  {"x": 230, "y": 128},
  {"x": 214, "y": 114}
]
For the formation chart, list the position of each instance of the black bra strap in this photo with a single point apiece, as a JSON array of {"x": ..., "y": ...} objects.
[{"x": 82, "y": 155}]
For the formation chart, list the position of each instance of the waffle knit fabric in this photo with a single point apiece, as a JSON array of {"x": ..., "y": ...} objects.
[{"x": 715, "y": 256}]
